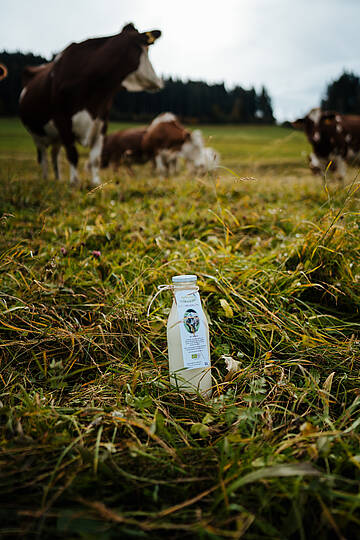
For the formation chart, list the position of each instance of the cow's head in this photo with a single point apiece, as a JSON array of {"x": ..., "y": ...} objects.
[
  {"x": 144, "y": 76},
  {"x": 197, "y": 139},
  {"x": 314, "y": 123}
]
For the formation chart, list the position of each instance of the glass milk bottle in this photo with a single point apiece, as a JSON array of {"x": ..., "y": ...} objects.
[{"x": 188, "y": 339}]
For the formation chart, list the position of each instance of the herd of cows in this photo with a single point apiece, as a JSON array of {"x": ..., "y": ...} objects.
[{"x": 68, "y": 100}]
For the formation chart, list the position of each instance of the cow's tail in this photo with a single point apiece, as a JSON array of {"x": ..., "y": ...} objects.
[{"x": 3, "y": 72}]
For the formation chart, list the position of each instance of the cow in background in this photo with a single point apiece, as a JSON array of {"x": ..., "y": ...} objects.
[
  {"x": 165, "y": 142},
  {"x": 68, "y": 100},
  {"x": 334, "y": 138},
  {"x": 3, "y": 72}
]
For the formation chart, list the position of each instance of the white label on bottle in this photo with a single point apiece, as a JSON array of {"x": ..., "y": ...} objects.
[{"x": 193, "y": 331}]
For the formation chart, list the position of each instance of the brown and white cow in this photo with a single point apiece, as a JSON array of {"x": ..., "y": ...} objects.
[
  {"x": 334, "y": 138},
  {"x": 68, "y": 100},
  {"x": 163, "y": 141}
]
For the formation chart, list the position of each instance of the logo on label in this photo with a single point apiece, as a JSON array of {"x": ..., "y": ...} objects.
[{"x": 191, "y": 321}]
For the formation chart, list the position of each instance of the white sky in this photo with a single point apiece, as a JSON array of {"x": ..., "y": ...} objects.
[{"x": 293, "y": 47}]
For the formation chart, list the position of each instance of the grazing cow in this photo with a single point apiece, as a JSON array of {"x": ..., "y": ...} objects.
[
  {"x": 199, "y": 158},
  {"x": 334, "y": 138},
  {"x": 163, "y": 141},
  {"x": 3, "y": 72},
  {"x": 68, "y": 99}
]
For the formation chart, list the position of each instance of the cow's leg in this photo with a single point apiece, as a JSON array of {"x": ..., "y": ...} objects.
[
  {"x": 167, "y": 157},
  {"x": 316, "y": 164},
  {"x": 55, "y": 150},
  {"x": 94, "y": 159},
  {"x": 176, "y": 163},
  {"x": 174, "y": 166},
  {"x": 64, "y": 127},
  {"x": 160, "y": 165},
  {"x": 73, "y": 158},
  {"x": 171, "y": 165},
  {"x": 42, "y": 158},
  {"x": 340, "y": 167}
]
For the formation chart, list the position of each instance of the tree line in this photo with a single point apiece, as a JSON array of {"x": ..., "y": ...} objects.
[
  {"x": 343, "y": 95},
  {"x": 196, "y": 102},
  {"x": 193, "y": 101}
]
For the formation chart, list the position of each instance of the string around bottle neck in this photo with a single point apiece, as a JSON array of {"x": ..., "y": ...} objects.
[{"x": 166, "y": 287}]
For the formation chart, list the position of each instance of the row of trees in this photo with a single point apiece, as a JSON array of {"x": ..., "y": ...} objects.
[
  {"x": 197, "y": 101},
  {"x": 343, "y": 95},
  {"x": 193, "y": 101}
]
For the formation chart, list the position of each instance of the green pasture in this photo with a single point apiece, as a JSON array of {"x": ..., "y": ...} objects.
[
  {"x": 94, "y": 443},
  {"x": 238, "y": 145}
]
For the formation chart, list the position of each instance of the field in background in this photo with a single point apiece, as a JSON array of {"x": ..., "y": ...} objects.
[{"x": 94, "y": 442}]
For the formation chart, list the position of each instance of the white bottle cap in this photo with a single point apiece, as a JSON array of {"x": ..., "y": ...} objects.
[{"x": 184, "y": 278}]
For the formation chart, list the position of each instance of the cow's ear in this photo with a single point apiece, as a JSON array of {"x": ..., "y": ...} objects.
[
  {"x": 299, "y": 123},
  {"x": 148, "y": 38},
  {"x": 129, "y": 28}
]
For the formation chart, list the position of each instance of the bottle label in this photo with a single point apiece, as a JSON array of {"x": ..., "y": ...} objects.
[{"x": 193, "y": 330}]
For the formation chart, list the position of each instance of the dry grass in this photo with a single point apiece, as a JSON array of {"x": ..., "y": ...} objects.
[{"x": 94, "y": 442}]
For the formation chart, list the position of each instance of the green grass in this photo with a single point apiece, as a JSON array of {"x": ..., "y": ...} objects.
[{"x": 94, "y": 441}]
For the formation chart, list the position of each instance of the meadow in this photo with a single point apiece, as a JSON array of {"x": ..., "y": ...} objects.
[{"x": 94, "y": 441}]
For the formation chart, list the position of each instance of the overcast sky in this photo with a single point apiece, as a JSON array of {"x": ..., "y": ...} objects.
[{"x": 293, "y": 47}]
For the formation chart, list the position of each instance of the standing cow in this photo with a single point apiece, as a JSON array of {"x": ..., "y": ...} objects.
[
  {"x": 68, "y": 100},
  {"x": 163, "y": 141},
  {"x": 334, "y": 138}
]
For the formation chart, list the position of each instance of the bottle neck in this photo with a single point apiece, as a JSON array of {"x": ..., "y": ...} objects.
[{"x": 185, "y": 287}]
